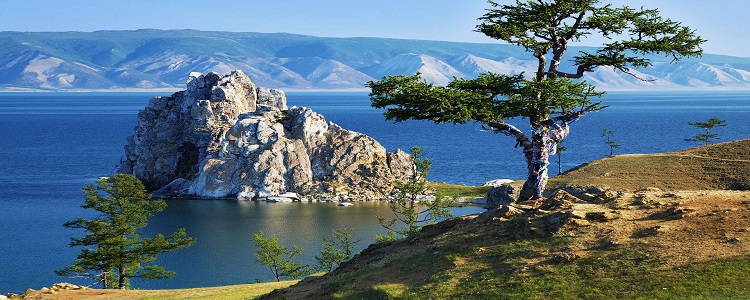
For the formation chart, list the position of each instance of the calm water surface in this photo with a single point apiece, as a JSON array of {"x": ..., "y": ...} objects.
[{"x": 51, "y": 144}]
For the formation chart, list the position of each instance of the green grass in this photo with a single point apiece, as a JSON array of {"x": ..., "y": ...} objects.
[
  {"x": 458, "y": 191},
  {"x": 629, "y": 272},
  {"x": 241, "y": 291},
  {"x": 525, "y": 268}
]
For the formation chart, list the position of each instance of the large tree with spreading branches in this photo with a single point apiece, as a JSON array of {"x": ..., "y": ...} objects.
[{"x": 551, "y": 98}]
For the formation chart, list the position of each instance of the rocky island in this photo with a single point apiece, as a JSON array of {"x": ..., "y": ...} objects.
[{"x": 223, "y": 137}]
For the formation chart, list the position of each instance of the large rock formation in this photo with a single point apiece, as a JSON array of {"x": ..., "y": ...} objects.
[{"x": 223, "y": 137}]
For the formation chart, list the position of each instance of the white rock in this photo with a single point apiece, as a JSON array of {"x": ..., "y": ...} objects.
[
  {"x": 497, "y": 182},
  {"x": 229, "y": 138},
  {"x": 290, "y": 195},
  {"x": 279, "y": 199}
]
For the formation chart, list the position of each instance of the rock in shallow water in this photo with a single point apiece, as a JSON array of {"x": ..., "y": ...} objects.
[{"x": 223, "y": 137}]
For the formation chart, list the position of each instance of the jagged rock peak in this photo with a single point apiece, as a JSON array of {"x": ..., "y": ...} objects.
[{"x": 223, "y": 137}]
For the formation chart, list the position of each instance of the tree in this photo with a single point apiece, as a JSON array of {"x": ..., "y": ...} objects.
[
  {"x": 610, "y": 142},
  {"x": 707, "y": 126},
  {"x": 336, "y": 250},
  {"x": 278, "y": 259},
  {"x": 408, "y": 208},
  {"x": 113, "y": 246},
  {"x": 559, "y": 149},
  {"x": 550, "y": 99}
]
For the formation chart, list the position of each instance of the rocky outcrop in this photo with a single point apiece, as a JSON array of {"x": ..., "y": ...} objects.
[{"x": 223, "y": 137}]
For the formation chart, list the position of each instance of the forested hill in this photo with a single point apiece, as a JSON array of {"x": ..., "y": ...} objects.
[{"x": 148, "y": 59}]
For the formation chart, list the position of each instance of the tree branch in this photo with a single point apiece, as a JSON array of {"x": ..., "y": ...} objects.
[
  {"x": 546, "y": 38},
  {"x": 627, "y": 71},
  {"x": 575, "y": 27},
  {"x": 510, "y": 130},
  {"x": 578, "y": 74}
]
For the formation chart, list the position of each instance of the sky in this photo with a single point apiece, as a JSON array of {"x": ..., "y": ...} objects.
[{"x": 722, "y": 22}]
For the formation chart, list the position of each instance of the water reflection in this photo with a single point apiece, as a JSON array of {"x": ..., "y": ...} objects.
[{"x": 224, "y": 253}]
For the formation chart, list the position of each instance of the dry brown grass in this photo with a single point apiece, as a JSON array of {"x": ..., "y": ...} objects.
[{"x": 714, "y": 167}]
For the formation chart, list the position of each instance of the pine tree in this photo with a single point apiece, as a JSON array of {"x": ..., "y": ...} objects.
[
  {"x": 408, "y": 208},
  {"x": 277, "y": 258},
  {"x": 610, "y": 142},
  {"x": 113, "y": 247},
  {"x": 336, "y": 250},
  {"x": 707, "y": 126}
]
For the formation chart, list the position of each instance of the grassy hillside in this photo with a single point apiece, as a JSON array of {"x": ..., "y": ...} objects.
[
  {"x": 720, "y": 166},
  {"x": 650, "y": 245}
]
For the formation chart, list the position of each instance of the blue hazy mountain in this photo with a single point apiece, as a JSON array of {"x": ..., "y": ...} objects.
[{"x": 147, "y": 59}]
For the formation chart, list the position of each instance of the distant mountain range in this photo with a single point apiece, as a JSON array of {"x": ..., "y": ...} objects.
[{"x": 162, "y": 59}]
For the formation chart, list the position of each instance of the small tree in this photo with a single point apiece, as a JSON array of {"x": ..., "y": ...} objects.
[
  {"x": 707, "y": 126},
  {"x": 559, "y": 148},
  {"x": 408, "y": 208},
  {"x": 113, "y": 247},
  {"x": 610, "y": 142},
  {"x": 278, "y": 259},
  {"x": 336, "y": 250}
]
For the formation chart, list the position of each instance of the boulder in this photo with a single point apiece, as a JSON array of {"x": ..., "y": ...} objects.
[
  {"x": 500, "y": 212},
  {"x": 223, "y": 137},
  {"x": 502, "y": 195}
]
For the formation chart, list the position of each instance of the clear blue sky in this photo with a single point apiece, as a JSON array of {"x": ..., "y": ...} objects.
[{"x": 722, "y": 22}]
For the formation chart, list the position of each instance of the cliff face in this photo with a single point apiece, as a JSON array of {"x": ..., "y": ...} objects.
[{"x": 223, "y": 137}]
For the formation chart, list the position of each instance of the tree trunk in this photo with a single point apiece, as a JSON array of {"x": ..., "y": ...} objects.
[
  {"x": 121, "y": 278},
  {"x": 536, "y": 150},
  {"x": 537, "y": 161}
]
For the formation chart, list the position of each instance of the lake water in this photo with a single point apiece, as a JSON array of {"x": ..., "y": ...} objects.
[{"x": 51, "y": 144}]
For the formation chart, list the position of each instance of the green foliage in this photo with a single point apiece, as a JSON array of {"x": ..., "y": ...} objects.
[
  {"x": 329, "y": 258},
  {"x": 544, "y": 26},
  {"x": 408, "y": 208},
  {"x": 278, "y": 259},
  {"x": 610, "y": 142},
  {"x": 707, "y": 126},
  {"x": 336, "y": 250},
  {"x": 113, "y": 248},
  {"x": 490, "y": 97}
]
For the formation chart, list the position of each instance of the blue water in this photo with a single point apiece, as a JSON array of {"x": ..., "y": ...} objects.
[{"x": 54, "y": 143}]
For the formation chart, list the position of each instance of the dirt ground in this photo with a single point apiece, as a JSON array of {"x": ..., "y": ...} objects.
[{"x": 687, "y": 226}]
